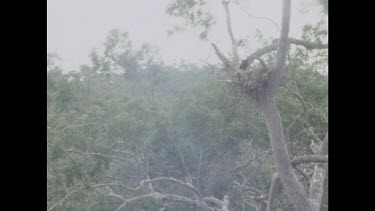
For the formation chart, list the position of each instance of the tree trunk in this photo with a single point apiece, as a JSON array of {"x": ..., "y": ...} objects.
[{"x": 294, "y": 189}]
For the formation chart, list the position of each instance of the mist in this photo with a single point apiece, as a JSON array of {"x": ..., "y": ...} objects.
[{"x": 195, "y": 105}]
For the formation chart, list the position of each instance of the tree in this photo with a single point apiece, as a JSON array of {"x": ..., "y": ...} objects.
[
  {"x": 128, "y": 129},
  {"x": 263, "y": 85}
]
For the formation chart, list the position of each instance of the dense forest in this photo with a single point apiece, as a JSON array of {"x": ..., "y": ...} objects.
[{"x": 129, "y": 132}]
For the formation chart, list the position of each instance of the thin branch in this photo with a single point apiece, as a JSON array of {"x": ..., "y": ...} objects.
[
  {"x": 93, "y": 114},
  {"x": 148, "y": 175},
  {"x": 287, "y": 133},
  {"x": 81, "y": 125},
  {"x": 53, "y": 173},
  {"x": 199, "y": 167},
  {"x": 230, "y": 32},
  {"x": 310, "y": 132},
  {"x": 263, "y": 18},
  {"x": 213, "y": 200},
  {"x": 181, "y": 156},
  {"x": 77, "y": 167},
  {"x": 166, "y": 197},
  {"x": 274, "y": 185},
  {"x": 240, "y": 168},
  {"x": 308, "y": 45},
  {"x": 65, "y": 197},
  {"x": 100, "y": 155},
  {"x": 170, "y": 179},
  {"x": 112, "y": 193},
  {"x": 223, "y": 58}
]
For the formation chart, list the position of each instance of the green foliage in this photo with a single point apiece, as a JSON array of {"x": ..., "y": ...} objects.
[
  {"x": 325, "y": 5},
  {"x": 154, "y": 111},
  {"x": 195, "y": 13}
]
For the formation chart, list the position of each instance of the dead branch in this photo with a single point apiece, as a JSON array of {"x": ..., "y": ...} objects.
[
  {"x": 170, "y": 179},
  {"x": 65, "y": 197}
]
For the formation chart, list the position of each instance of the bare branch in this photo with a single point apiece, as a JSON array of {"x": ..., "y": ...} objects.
[
  {"x": 259, "y": 53},
  {"x": 80, "y": 125},
  {"x": 111, "y": 136},
  {"x": 167, "y": 197},
  {"x": 77, "y": 167},
  {"x": 223, "y": 58},
  {"x": 230, "y": 32},
  {"x": 309, "y": 159},
  {"x": 263, "y": 18},
  {"x": 308, "y": 45},
  {"x": 170, "y": 179},
  {"x": 240, "y": 168},
  {"x": 199, "y": 167},
  {"x": 112, "y": 193},
  {"x": 148, "y": 175},
  {"x": 124, "y": 152},
  {"x": 65, "y": 197}
]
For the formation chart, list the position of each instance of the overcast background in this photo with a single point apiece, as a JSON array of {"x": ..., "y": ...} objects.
[{"x": 75, "y": 27}]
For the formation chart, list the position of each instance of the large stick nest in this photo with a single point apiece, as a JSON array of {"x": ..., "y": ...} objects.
[{"x": 252, "y": 81}]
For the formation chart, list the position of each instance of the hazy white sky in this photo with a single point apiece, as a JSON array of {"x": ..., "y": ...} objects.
[{"x": 74, "y": 27}]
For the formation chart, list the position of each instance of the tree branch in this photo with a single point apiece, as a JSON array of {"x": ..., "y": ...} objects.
[
  {"x": 235, "y": 58},
  {"x": 287, "y": 133},
  {"x": 65, "y": 197},
  {"x": 100, "y": 155},
  {"x": 170, "y": 179},
  {"x": 181, "y": 156},
  {"x": 264, "y": 18},
  {"x": 199, "y": 167},
  {"x": 316, "y": 186},
  {"x": 223, "y": 58},
  {"x": 274, "y": 185},
  {"x": 309, "y": 159},
  {"x": 261, "y": 52}
]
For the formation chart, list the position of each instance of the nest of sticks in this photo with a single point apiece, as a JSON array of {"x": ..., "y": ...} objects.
[{"x": 252, "y": 81}]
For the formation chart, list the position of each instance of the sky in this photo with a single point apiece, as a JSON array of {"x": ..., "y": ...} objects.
[{"x": 75, "y": 27}]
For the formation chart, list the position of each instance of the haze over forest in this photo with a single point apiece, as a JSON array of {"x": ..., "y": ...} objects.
[{"x": 187, "y": 105}]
